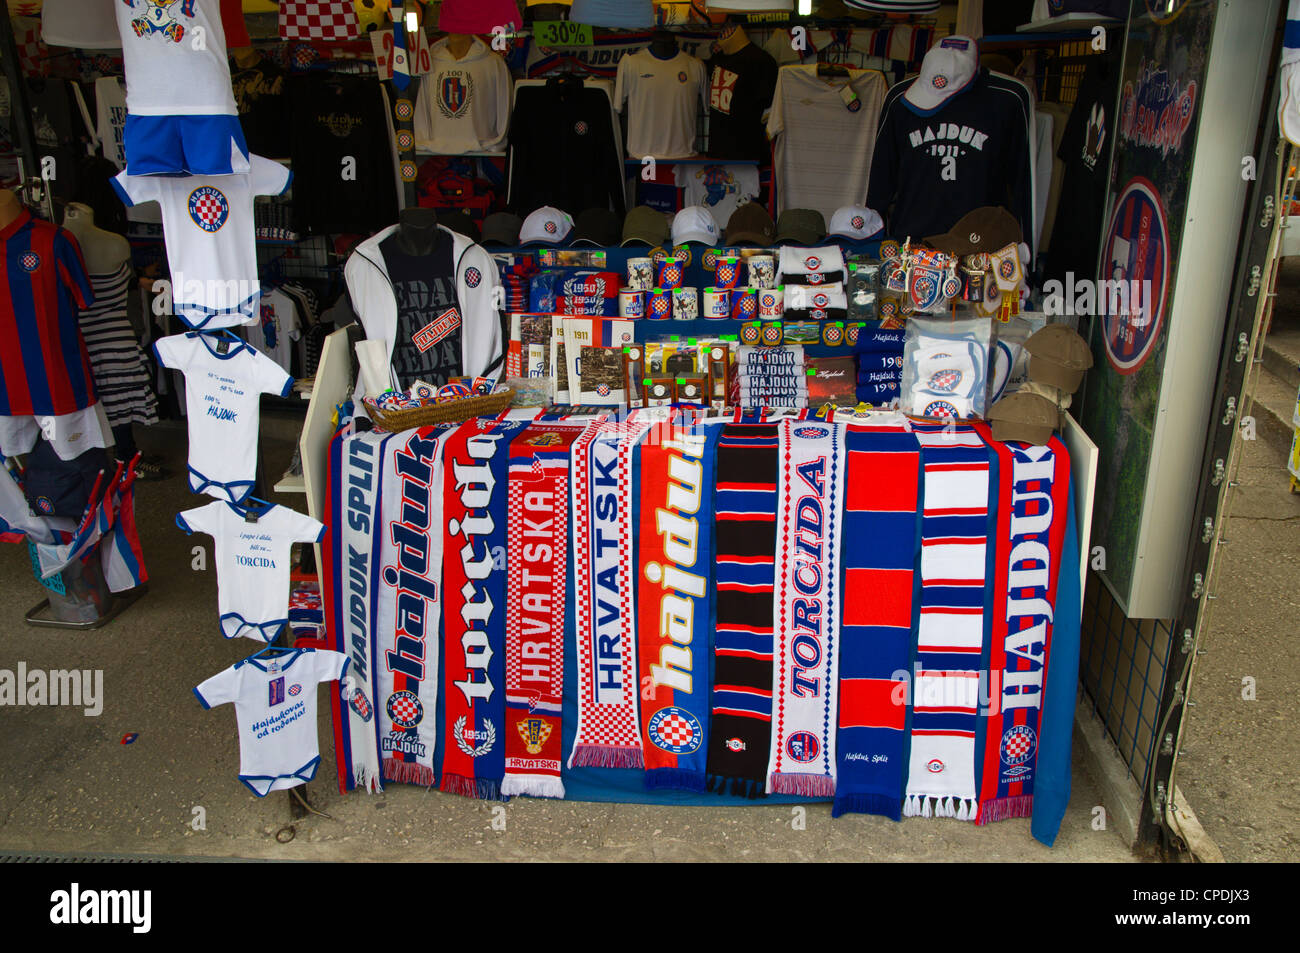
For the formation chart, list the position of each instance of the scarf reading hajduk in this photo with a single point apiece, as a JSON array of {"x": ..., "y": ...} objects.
[
  {"x": 952, "y": 625},
  {"x": 1032, "y": 495},
  {"x": 805, "y": 677},
  {"x": 882, "y": 537},
  {"x": 476, "y": 461},
  {"x": 407, "y": 603},
  {"x": 608, "y": 731},
  {"x": 740, "y": 733},
  {"x": 537, "y": 540},
  {"x": 674, "y": 599}
]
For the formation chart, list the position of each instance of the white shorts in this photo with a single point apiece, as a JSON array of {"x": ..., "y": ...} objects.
[{"x": 70, "y": 434}]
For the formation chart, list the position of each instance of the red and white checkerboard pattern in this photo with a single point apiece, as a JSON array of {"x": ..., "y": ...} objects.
[
  {"x": 209, "y": 209},
  {"x": 675, "y": 730},
  {"x": 1017, "y": 745},
  {"x": 405, "y": 710},
  {"x": 318, "y": 20}
]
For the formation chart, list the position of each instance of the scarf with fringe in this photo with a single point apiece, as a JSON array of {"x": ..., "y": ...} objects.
[
  {"x": 951, "y": 631},
  {"x": 1033, "y": 503},
  {"x": 740, "y": 735},
  {"x": 805, "y": 677}
]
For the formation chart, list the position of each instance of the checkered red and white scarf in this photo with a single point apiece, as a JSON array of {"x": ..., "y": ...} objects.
[{"x": 318, "y": 20}]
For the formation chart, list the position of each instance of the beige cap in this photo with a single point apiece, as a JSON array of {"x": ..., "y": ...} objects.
[
  {"x": 1058, "y": 356},
  {"x": 1022, "y": 416}
]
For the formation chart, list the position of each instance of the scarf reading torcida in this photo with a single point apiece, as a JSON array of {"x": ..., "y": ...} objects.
[
  {"x": 805, "y": 677},
  {"x": 537, "y": 541},
  {"x": 608, "y": 731},
  {"x": 674, "y": 599},
  {"x": 1032, "y": 490},
  {"x": 476, "y": 462}
]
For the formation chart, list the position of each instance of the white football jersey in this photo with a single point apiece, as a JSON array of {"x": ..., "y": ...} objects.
[
  {"x": 663, "y": 100},
  {"x": 211, "y": 244},
  {"x": 175, "y": 57},
  {"x": 721, "y": 188},
  {"x": 224, "y": 383},
  {"x": 252, "y": 560},
  {"x": 275, "y": 708}
]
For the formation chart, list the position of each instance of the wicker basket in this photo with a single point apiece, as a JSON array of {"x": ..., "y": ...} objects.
[{"x": 450, "y": 412}]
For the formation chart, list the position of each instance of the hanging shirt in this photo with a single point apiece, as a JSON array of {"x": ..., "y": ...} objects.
[
  {"x": 224, "y": 383},
  {"x": 252, "y": 560},
  {"x": 263, "y": 107},
  {"x": 275, "y": 708},
  {"x": 44, "y": 366},
  {"x": 277, "y": 330},
  {"x": 663, "y": 98},
  {"x": 166, "y": 75},
  {"x": 110, "y": 118},
  {"x": 741, "y": 85},
  {"x": 463, "y": 104},
  {"x": 824, "y": 137},
  {"x": 628, "y": 14},
  {"x": 208, "y": 231},
  {"x": 427, "y": 342},
  {"x": 720, "y": 188}
]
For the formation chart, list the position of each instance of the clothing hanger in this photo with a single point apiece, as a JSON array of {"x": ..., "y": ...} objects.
[{"x": 271, "y": 650}]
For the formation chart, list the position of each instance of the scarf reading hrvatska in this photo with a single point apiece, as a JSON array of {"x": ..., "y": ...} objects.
[
  {"x": 675, "y": 553},
  {"x": 805, "y": 677},
  {"x": 476, "y": 462},
  {"x": 537, "y": 545},
  {"x": 608, "y": 731},
  {"x": 1033, "y": 506},
  {"x": 951, "y": 631},
  {"x": 882, "y": 535},
  {"x": 740, "y": 735}
]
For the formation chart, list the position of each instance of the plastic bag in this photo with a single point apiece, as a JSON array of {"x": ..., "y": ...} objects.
[{"x": 945, "y": 367}]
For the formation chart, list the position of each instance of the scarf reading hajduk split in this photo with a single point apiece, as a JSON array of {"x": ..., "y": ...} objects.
[
  {"x": 608, "y": 731},
  {"x": 1033, "y": 503}
]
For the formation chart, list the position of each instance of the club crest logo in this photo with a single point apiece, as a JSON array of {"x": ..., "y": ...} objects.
[
  {"x": 360, "y": 704},
  {"x": 471, "y": 742},
  {"x": 858, "y": 222},
  {"x": 734, "y": 744},
  {"x": 405, "y": 709},
  {"x": 580, "y": 127},
  {"x": 682, "y": 77},
  {"x": 454, "y": 94},
  {"x": 472, "y": 277},
  {"x": 750, "y": 334},
  {"x": 940, "y": 408},
  {"x": 675, "y": 730},
  {"x": 935, "y": 766},
  {"x": 209, "y": 208},
  {"x": 550, "y": 228},
  {"x": 945, "y": 380},
  {"x": 813, "y": 262},
  {"x": 1018, "y": 744},
  {"x": 404, "y": 109},
  {"x": 602, "y": 390},
  {"x": 294, "y": 690},
  {"x": 802, "y": 746},
  {"x": 29, "y": 262},
  {"x": 534, "y": 732},
  {"x": 821, "y": 300},
  {"x": 940, "y": 82},
  {"x": 810, "y": 433}
]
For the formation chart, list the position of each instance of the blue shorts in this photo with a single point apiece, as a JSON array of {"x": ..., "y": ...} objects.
[{"x": 179, "y": 145}]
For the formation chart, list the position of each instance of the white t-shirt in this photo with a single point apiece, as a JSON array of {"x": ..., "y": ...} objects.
[
  {"x": 222, "y": 401},
  {"x": 463, "y": 104},
  {"x": 720, "y": 188},
  {"x": 110, "y": 118},
  {"x": 175, "y": 56},
  {"x": 277, "y": 329},
  {"x": 823, "y": 148},
  {"x": 275, "y": 708},
  {"x": 211, "y": 244},
  {"x": 252, "y": 562},
  {"x": 82, "y": 25},
  {"x": 663, "y": 100}
]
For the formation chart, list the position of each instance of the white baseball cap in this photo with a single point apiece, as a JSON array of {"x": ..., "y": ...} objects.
[
  {"x": 546, "y": 226},
  {"x": 856, "y": 222},
  {"x": 695, "y": 223},
  {"x": 951, "y": 65}
]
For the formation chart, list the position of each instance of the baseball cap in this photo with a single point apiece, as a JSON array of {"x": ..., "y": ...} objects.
[
  {"x": 458, "y": 221},
  {"x": 986, "y": 229},
  {"x": 596, "y": 226},
  {"x": 800, "y": 226},
  {"x": 695, "y": 223},
  {"x": 1024, "y": 416},
  {"x": 951, "y": 65},
  {"x": 546, "y": 226},
  {"x": 856, "y": 222},
  {"x": 750, "y": 225},
  {"x": 645, "y": 226},
  {"x": 501, "y": 228},
  {"x": 1058, "y": 356}
]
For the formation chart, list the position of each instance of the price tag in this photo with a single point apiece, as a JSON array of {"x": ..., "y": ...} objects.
[
  {"x": 419, "y": 57},
  {"x": 563, "y": 33}
]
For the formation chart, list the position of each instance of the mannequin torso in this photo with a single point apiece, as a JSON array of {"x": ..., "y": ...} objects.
[{"x": 104, "y": 252}]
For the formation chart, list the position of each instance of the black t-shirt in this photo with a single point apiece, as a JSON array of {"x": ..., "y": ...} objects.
[
  {"x": 263, "y": 109},
  {"x": 427, "y": 341},
  {"x": 741, "y": 86},
  {"x": 1085, "y": 149}
]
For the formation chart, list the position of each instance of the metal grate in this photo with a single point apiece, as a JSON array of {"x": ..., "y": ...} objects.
[
  {"x": 1122, "y": 666},
  {"x": 51, "y": 857}
]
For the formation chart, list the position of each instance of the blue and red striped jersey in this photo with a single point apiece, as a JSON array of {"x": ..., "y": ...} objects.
[{"x": 44, "y": 367}]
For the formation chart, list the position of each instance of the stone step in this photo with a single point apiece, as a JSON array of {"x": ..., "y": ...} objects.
[{"x": 1273, "y": 408}]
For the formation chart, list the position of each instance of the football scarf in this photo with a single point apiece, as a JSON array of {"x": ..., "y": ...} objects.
[
  {"x": 476, "y": 478},
  {"x": 805, "y": 677},
  {"x": 951, "y": 630},
  {"x": 537, "y": 541},
  {"x": 740, "y": 735},
  {"x": 674, "y": 599},
  {"x": 881, "y": 540},
  {"x": 349, "y": 579},
  {"x": 120, "y": 552},
  {"x": 408, "y": 604},
  {"x": 1033, "y": 503},
  {"x": 608, "y": 730}
]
